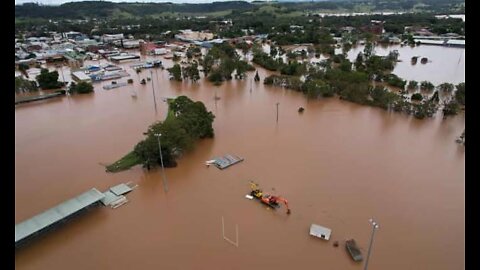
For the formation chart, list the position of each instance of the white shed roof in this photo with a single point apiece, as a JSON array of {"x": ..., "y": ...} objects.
[{"x": 320, "y": 232}]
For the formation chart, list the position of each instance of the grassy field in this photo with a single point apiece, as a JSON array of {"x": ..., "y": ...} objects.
[{"x": 125, "y": 163}]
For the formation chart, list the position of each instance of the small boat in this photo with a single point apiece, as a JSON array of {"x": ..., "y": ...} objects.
[{"x": 354, "y": 251}]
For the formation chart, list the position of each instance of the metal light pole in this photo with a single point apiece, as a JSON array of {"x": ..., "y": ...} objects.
[
  {"x": 153, "y": 91},
  {"x": 165, "y": 186},
  {"x": 375, "y": 226},
  {"x": 277, "y": 110}
]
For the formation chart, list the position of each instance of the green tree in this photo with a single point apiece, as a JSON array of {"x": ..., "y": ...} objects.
[
  {"x": 273, "y": 51},
  {"x": 460, "y": 93},
  {"x": 175, "y": 72},
  {"x": 191, "y": 72},
  {"x": 48, "y": 80},
  {"x": 446, "y": 87},
  {"x": 22, "y": 85},
  {"x": 426, "y": 85},
  {"x": 396, "y": 81},
  {"x": 359, "y": 62},
  {"x": 207, "y": 63},
  {"x": 293, "y": 68},
  {"x": 435, "y": 97},
  {"x": 81, "y": 88},
  {"x": 412, "y": 85},
  {"x": 382, "y": 98},
  {"x": 242, "y": 67},
  {"x": 188, "y": 122},
  {"x": 451, "y": 108},
  {"x": 315, "y": 88},
  {"x": 368, "y": 50},
  {"x": 257, "y": 78},
  {"x": 417, "y": 96}
]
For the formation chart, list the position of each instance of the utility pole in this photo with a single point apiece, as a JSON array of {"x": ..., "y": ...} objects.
[
  {"x": 277, "y": 110},
  {"x": 375, "y": 226},
  {"x": 153, "y": 91},
  {"x": 164, "y": 178}
]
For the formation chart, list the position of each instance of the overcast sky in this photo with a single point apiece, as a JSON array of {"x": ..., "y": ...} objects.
[{"x": 56, "y": 2}]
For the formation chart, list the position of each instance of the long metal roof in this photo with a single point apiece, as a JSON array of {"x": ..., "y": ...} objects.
[{"x": 57, "y": 213}]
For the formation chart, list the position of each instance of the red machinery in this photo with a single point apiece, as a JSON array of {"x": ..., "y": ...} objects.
[{"x": 270, "y": 200}]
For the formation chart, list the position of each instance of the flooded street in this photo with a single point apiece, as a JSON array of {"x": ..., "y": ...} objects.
[
  {"x": 445, "y": 64},
  {"x": 338, "y": 164}
]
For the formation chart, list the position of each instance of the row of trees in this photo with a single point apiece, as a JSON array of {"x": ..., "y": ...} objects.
[
  {"x": 221, "y": 61},
  {"x": 218, "y": 65},
  {"x": 335, "y": 77}
]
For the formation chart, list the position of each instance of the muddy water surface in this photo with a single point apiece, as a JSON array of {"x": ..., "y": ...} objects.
[{"x": 338, "y": 164}]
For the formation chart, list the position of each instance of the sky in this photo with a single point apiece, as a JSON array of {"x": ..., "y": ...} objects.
[{"x": 56, "y": 2}]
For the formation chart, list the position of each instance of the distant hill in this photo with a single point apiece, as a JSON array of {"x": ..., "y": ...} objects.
[
  {"x": 103, "y": 9},
  {"x": 106, "y": 9}
]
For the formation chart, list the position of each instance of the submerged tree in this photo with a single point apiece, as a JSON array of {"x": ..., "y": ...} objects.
[
  {"x": 189, "y": 121},
  {"x": 426, "y": 85},
  {"x": 460, "y": 93},
  {"x": 191, "y": 72},
  {"x": 22, "y": 85},
  {"x": 257, "y": 78},
  {"x": 412, "y": 85},
  {"x": 175, "y": 72},
  {"x": 451, "y": 108},
  {"x": 81, "y": 88},
  {"x": 48, "y": 80}
]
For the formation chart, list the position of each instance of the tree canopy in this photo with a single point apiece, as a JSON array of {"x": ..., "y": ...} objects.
[
  {"x": 48, "y": 80},
  {"x": 187, "y": 121}
]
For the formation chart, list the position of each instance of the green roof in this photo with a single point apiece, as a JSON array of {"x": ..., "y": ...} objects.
[{"x": 56, "y": 214}]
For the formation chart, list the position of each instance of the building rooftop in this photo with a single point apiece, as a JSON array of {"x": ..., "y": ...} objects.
[
  {"x": 56, "y": 214},
  {"x": 319, "y": 231}
]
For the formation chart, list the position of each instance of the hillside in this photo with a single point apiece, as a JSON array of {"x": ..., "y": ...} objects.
[{"x": 103, "y": 9}]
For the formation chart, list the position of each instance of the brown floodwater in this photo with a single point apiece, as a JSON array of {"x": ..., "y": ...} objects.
[
  {"x": 445, "y": 64},
  {"x": 338, "y": 164}
]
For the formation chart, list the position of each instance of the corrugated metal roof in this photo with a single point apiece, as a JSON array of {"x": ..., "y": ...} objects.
[
  {"x": 456, "y": 42},
  {"x": 319, "y": 231},
  {"x": 81, "y": 75},
  {"x": 57, "y": 213},
  {"x": 428, "y": 41},
  {"x": 120, "y": 189}
]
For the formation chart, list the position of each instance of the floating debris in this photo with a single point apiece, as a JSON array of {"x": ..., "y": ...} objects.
[
  {"x": 414, "y": 60},
  {"x": 354, "y": 251}
]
